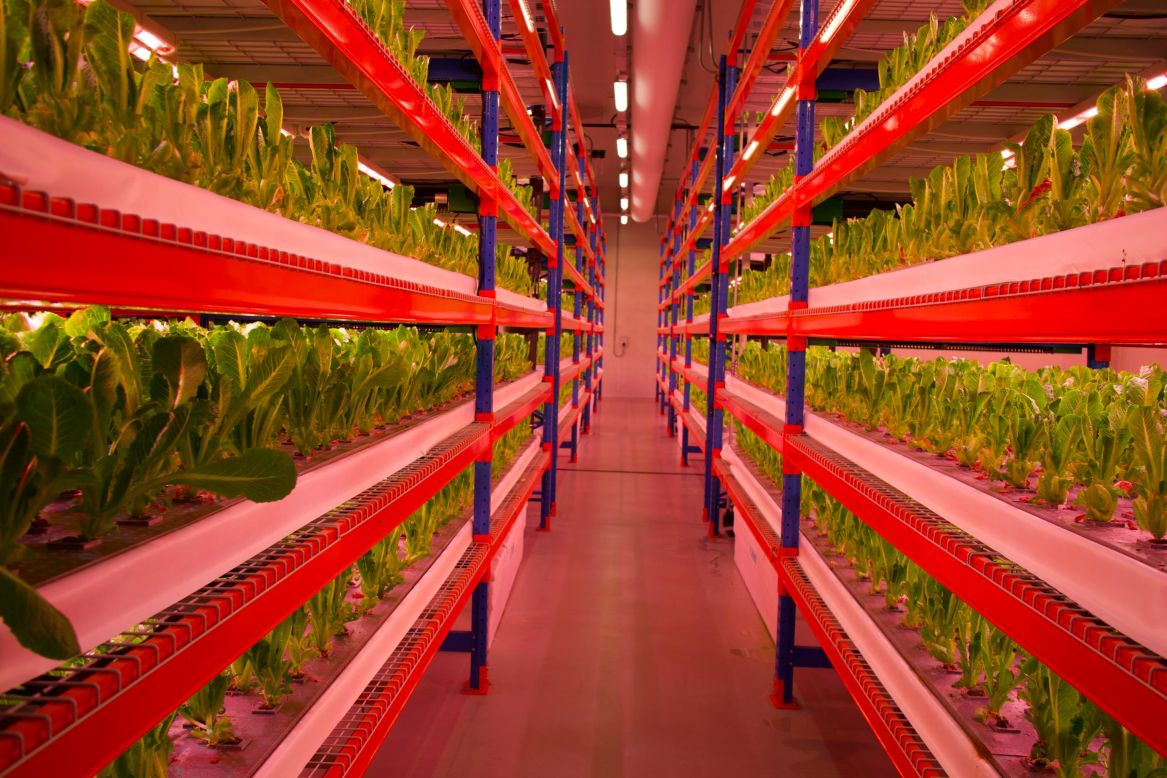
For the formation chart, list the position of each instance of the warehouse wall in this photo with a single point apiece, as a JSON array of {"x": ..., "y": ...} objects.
[{"x": 631, "y": 335}]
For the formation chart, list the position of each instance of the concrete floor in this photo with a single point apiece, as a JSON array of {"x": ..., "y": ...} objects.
[{"x": 630, "y": 646}]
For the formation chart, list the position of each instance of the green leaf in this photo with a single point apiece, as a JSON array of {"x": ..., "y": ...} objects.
[
  {"x": 59, "y": 415},
  {"x": 259, "y": 474},
  {"x": 85, "y": 320},
  {"x": 34, "y": 622},
  {"x": 183, "y": 363},
  {"x": 273, "y": 109}
]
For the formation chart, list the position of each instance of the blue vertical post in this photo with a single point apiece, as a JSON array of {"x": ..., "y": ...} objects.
[
  {"x": 783, "y": 695},
  {"x": 718, "y": 279},
  {"x": 554, "y": 304},
  {"x": 484, "y": 371},
  {"x": 691, "y": 265},
  {"x": 555, "y": 279},
  {"x": 671, "y": 311},
  {"x": 590, "y": 341},
  {"x": 577, "y": 306},
  {"x": 662, "y": 321}
]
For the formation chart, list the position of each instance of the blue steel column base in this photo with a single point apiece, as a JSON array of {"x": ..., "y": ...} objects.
[
  {"x": 545, "y": 503},
  {"x": 780, "y": 699},
  {"x": 479, "y": 683}
]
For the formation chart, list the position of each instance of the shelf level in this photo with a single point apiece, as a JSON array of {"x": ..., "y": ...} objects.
[
  {"x": 103, "y": 706},
  {"x": 996, "y": 45},
  {"x": 116, "y": 259},
  {"x": 1117, "y": 305},
  {"x": 351, "y": 746}
]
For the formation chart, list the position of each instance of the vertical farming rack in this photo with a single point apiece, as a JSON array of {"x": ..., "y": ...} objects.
[
  {"x": 1100, "y": 287},
  {"x": 119, "y": 235}
]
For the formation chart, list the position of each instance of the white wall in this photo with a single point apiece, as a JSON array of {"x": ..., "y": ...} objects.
[{"x": 633, "y": 267}]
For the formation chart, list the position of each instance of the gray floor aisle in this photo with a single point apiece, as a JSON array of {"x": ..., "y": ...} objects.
[{"x": 630, "y": 646}]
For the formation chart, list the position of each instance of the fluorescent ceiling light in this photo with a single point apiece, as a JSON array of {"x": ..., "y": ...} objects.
[
  {"x": 619, "y": 17},
  {"x": 1082, "y": 118},
  {"x": 373, "y": 173},
  {"x": 623, "y": 179},
  {"x": 551, "y": 91},
  {"x": 624, "y": 218},
  {"x": 461, "y": 229},
  {"x": 439, "y": 222},
  {"x": 1158, "y": 82},
  {"x": 527, "y": 15},
  {"x": 620, "y": 93},
  {"x": 782, "y": 101},
  {"x": 622, "y": 147},
  {"x": 623, "y": 203},
  {"x": 836, "y": 21}
]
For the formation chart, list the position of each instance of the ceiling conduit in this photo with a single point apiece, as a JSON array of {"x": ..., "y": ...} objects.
[{"x": 661, "y": 30}]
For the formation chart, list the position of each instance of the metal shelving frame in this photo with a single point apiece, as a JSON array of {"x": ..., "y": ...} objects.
[
  {"x": 1105, "y": 306},
  {"x": 111, "y": 258}
]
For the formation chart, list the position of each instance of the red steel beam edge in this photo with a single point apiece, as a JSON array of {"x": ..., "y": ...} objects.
[
  {"x": 118, "y": 255},
  {"x": 554, "y": 30},
  {"x": 1119, "y": 304}
]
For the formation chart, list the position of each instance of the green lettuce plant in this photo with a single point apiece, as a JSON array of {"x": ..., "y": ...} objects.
[{"x": 204, "y": 711}]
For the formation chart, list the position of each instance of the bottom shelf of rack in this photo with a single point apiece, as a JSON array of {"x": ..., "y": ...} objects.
[
  {"x": 292, "y": 745},
  {"x": 362, "y": 727},
  {"x": 915, "y": 724}
]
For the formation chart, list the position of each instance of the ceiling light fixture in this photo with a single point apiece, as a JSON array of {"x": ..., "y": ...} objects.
[
  {"x": 836, "y": 21},
  {"x": 1082, "y": 118},
  {"x": 461, "y": 229},
  {"x": 1158, "y": 82},
  {"x": 620, "y": 93},
  {"x": 145, "y": 43},
  {"x": 624, "y": 218},
  {"x": 619, "y": 17},
  {"x": 623, "y": 179},
  {"x": 375, "y": 174},
  {"x": 527, "y": 15},
  {"x": 623, "y": 203},
  {"x": 783, "y": 100},
  {"x": 622, "y": 147}
]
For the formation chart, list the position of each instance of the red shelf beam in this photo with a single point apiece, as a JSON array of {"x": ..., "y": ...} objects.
[
  {"x": 353, "y": 50},
  {"x": 1118, "y": 305},
  {"x": 112, "y": 258}
]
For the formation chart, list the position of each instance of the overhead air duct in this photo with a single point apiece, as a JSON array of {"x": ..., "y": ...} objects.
[{"x": 660, "y": 45}]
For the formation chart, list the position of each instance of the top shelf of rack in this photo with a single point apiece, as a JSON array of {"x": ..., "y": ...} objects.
[
  {"x": 1005, "y": 38},
  {"x": 129, "y": 238},
  {"x": 353, "y": 50}
]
